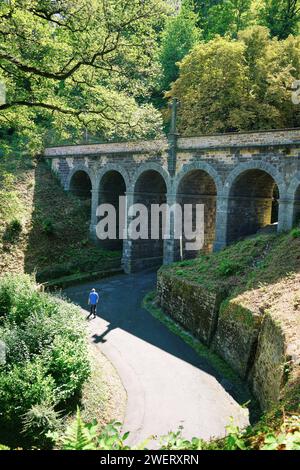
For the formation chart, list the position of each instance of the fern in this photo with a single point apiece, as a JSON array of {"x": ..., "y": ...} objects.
[{"x": 80, "y": 436}]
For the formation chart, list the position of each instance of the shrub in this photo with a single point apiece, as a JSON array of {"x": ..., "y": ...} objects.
[
  {"x": 86, "y": 436},
  {"x": 46, "y": 359},
  {"x": 16, "y": 349},
  {"x": 13, "y": 231},
  {"x": 228, "y": 267},
  {"x": 40, "y": 420},
  {"x": 48, "y": 227},
  {"x": 20, "y": 298},
  {"x": 68, "y": 366},
  {"x": 295, "y": 233},
  {"x": 23, "y": 386}
]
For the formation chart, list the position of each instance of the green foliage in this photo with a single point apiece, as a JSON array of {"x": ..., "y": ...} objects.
[
  {"x": 21, "y": 387},
  {"x": 69, "y": 369},
  {"x": 13, "y": 231},
  {"x": 282, "y": 17},
  {"x": 227, "y": 17},
  {"x": 46, "y": 359},
  {"x": 176, "y": 441},
  {"x": 237, "y": 85},
  {"x": 19, "y": 298},
  {"x": 87, "y": 436},
  {"x": 48, "y": 227},
  {"x": 179, "y": 36},
  {"x": 80, "y": 436},
  {"x": 228, "y": 267},
  {"x": 40, "y": 420},
  {"x": 234, "y": 439},
  {"x": 295, "y": 233},
  {"x": 72, "y": 66}
]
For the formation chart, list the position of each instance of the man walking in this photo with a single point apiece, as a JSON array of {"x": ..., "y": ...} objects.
[{"x": 93, "y": 301}]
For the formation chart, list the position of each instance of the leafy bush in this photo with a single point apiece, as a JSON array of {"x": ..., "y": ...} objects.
[
  {"x": 48, "y": 227},
  {"x": 46, "y": 359},
  {"x": 13, "y": 231},
  {"x": 23, "y": 386},
  {"x": 87, "y": 436},
  {"x": 19, "y": 296},
  {"x": 295, "y": 233},
  {"x": 39, "y": 421},
  {"x": 69, "y": 369},
  {"x": 228, "y": 267}
]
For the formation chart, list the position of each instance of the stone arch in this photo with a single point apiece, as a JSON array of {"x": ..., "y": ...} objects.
[
  {"x": 253, "y": 191},
  {"x": 80, "y": 183},
  {"x": 76, "y": 169},
  {"x": 151, "y": 167},
  {"x": 293, "y": 194},
  {"x": 149, "y": 188},
  {"x": 198, "y": 184},
  {"x": 112, "y": 184},
  {"x": 113, "y": 167},
  {"x": 202, "y": 166},
  {"x": 256, "y": 165}
]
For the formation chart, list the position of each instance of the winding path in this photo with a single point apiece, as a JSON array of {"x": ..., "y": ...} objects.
[{"x": 167, "y": 384}]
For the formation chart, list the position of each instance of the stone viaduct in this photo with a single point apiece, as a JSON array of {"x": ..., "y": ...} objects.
[{"x": 245, "y": 180}]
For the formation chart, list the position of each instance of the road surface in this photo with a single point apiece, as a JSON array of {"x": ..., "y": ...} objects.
[{"x": 167, "y": 384}]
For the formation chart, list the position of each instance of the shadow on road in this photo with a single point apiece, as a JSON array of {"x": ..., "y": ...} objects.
[{"x": 120, "y": 306}]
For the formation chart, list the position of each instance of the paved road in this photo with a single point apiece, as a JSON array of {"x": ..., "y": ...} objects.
[{"x": 167, "y": 384}]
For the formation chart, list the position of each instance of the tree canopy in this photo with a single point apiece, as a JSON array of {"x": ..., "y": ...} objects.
[
  {"x": 100, "y": 68},
  {"x": 74, "y": 65},
  {"x": 179, "y": 36},
  {"x": 282, "y": 17},
  {"x": 232, "y": 85}
]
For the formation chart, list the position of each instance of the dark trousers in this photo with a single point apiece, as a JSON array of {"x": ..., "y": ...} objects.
[{"x": 93, "y": 311}]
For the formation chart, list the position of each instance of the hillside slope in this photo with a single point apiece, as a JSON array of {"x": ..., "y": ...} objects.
[
  {"x": 43, "y": 229},
  {"x": 244, "y": 302}
]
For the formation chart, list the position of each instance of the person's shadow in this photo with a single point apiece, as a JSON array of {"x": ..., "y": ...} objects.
[{"x": 102, "y": 338}]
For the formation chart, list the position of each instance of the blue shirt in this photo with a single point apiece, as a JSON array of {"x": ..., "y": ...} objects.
[{"x": 94, "y": 297}]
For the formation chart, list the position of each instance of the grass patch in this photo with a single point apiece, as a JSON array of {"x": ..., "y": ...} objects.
[
  {"x": 248, "y": 264},
  {"x": 43, "y": 229}
]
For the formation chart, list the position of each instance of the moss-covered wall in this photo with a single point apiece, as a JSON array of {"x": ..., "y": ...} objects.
[
  {"x": 236, "y": 335},
  {"x": 257, "y": 332},
  {"x": 190, "y": 304}
]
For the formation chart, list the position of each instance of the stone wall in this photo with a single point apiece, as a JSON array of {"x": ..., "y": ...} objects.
[
  {"x": 257, "y": 333},
  {"x": 236, "y": 335},
  {"x": 277, "y": 359},
  {"x": 189, "y": 304},
  {"x": 212, "y": 170}
]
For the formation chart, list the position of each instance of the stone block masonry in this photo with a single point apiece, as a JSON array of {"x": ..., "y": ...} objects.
[
  {"x": 245, "y": 181},
  {"x": 257, "y": 332},
  {"x": 236, "y": 335},
  {"x": 190, "y": 304}
]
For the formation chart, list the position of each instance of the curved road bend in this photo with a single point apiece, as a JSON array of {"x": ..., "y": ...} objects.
[{"x": 167, "y": 384}]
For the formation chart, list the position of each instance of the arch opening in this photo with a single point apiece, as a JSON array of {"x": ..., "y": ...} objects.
[
  {"x": 112, "y": 187},
  {"x": 81, "y": 185},
  {"x": 150, "y": 189},
  {"x": 296, "y": 215},
  {"x": 198, "y": 187},
  {"x": 253, "y": 205}
]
